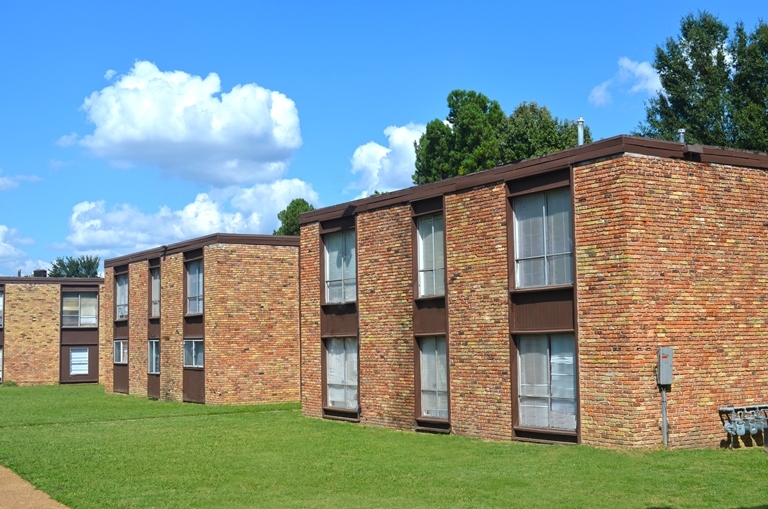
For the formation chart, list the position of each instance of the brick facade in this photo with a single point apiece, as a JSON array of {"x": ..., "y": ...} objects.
[
  {"x": 667, "y": 252},
  {"x": 32, "y": 333},
  {"x": 106, "y": 319},
  {"x": 249, "y": 326}
]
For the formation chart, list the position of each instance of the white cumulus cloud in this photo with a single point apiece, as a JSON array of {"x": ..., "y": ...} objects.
[
  {"x": 13, "y": 182},
  {"x": 631, "y": 77},
  {"x": 186, "y": 126},
  {"x": 388, "y": 168},
  {"x": 12, "y": 258}
]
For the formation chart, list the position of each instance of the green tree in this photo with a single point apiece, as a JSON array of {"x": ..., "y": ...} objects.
[
  {"x": 82, "y": 266},
  {"x": 467, "y": 141},
  {"x": 532, "y": 131},
  {"x": 289, "y": 218},
  {"x": 714, "y": 87},
  {"x": 477, "y": 135}
]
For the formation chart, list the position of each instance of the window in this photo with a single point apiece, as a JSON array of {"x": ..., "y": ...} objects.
[
  {"x": 434, "y": 377},
  {"x": 2, "y": 308},
  {"x": 193, "y": 353},
  {"x": 341, "y": 376},
  {"x": 78, "y": 361},
  {"x": 154, "y": 276},
  {"x": 340, "y": 267},
  {"x": 121, "y": 297},
  {"x": 153, "y": 357},
  {"x": 547, "y": 394},
  {"x": 195, "y": 287},
  {"x": 431, "y": 255},
  {"x": 1, "y": 364},
  {"x": 121, "y": 351},
  {"x": 79, "y": 309},
  {"x": 543, "y": 239}
]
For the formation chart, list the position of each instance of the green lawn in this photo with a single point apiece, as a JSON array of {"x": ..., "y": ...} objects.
[{"x": 89, "y": 449}]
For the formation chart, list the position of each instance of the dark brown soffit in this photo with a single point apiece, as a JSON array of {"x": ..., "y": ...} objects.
[
  {"x": 615, "y": 146},
  {"x": 69, "y": 281}
]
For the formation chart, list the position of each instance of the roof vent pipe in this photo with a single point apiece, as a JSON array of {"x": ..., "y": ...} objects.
[
  {"x": 580, "y": 123},
  {"x": 681, "y": 135}
]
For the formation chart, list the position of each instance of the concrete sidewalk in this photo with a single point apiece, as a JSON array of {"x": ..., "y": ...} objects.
[{"x": 16, "y": 493}]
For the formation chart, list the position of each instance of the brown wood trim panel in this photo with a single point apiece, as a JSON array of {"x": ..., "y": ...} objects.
[
  {"x": 81, "y": 336},
  {"x": 72, "y": 288},
  {"x": 538, "y": 183},
  {"x": 537, "y": 435},
  {"x": 543, "y": 310},
  {"x": 120, "y": 380},
  {"x": 194, "y": 327},
  {"x": 428, "y": 206},
  {"x": 338, "y": 320},
  {"x": 194, "y": 385},
  {"x": 154, "y": 328},
  {"x": 2, "y": 337},
  {"x": 93, "y": 365},
  {"x": 153, "y": 386},
  {"x": 337, "y": 224},
  {"x": 430, "y": 316},
  {"x": 120, "y": 329}
]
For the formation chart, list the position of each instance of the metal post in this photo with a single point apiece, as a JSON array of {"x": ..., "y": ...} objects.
[{"x": 664, "y": 427}]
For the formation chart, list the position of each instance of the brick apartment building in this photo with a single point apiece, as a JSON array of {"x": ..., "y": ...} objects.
[
  {"x": 49, "y": 330},
  {"x": 528, "y": 302},
  {"x": 209, "y": 320}
]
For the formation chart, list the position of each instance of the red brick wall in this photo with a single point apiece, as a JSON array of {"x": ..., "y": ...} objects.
[
  {"x": 171, "y": 327},
  {"x": 478, "y": 319},
  {"x": 309, "y": 272},
  {"x": 251, "y": 323},
  {"x": 669, "y": 253},
  {"x": 32, "y": 338},
  {"x": 106, "y": 329},
  {"x": 138, "y": 304},
  {"x": 385, "y": 300}
]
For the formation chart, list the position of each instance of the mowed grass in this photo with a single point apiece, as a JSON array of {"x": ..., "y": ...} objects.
[{"x": 89, "y": 449}]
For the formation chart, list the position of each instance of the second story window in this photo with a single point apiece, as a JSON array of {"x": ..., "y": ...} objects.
[
  {"x": 1, "y": 309},
  {"x": 431, "y": 255},
  {"x": 121, "y": 297},
  {"x": 154, "y": 288},
  {"x": 340, "y": 267},
  {"x": 79, "y": 309},
  {"x": 195, "y": 287},
  {"x": 543, "y": 239}
]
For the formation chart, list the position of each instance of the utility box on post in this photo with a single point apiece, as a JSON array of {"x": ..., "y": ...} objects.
[{"x": 664, "y": 366}]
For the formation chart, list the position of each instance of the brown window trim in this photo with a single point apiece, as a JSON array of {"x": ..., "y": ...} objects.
[
  {"x": 532, "y": 289},
  {"x": 429, "y": 298},
  {"x": 539, "y": 183},
  {"x": 430, "y": 424},
  {"x": 536, "y": 435}
]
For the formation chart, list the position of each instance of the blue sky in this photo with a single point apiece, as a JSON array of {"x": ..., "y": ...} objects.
[{"x": 128, "y": 125}]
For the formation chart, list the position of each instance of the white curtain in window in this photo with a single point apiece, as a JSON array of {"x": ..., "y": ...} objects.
[
  {"x": 2, "y": 309},
  {"x": 155, "y": 273},
  {"x": 341, "y": 372},
  {"x": 78, "y": 361},
  {"x": 88, "y": 309},
  {"x": 120, "y": 351},
  {"x": 153, "y": 356},
  {"x": 434, "y": 377},
  {"x": 431, "y": 244},
  {"x": 534, "y": 381},
  {"x": 193, "y": 353},
  {"x": 121, "y": 297},
  {"x": 340, "y": 266},
  {"x": 529, "y": 240},
  {"x": 559, "y": 237},
  {"x": 195, "y": 287}
]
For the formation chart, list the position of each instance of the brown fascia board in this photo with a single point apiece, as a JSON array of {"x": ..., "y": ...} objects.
[
  {"x": 609, "y": 147},
  {"x": 69, "y": 281},
  {"x": 199, "y": 242}
]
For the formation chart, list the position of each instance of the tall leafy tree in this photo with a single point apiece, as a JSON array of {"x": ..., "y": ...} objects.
[
  {"x": 478, "y": 135},
  {"x": 532, "y": 131},
  {"x": 289, "y": 217},
  {"x": 82, "y": 266},
  {"x": 467, "y": 141},
  {"x": 714, "y": 87}
]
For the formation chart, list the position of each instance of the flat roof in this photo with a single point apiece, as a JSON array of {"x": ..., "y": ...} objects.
[
  {"x": 609, "y": 147},
  {"x": 199, "y": 242},
  {"x": 69, "y": 281}
]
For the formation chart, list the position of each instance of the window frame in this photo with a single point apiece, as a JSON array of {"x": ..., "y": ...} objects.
[
  {"x": 422, "y": 417},
  {"x": 339, "y": 412},
  {"x": 155, "y": 357},
  {"x": 519, "y": 393},
  {"x": 87, "y": 361},
  {"x": 120, "y": 346},
  {"x": 436, "y": 270},
  {"x": 348, "y": 284},
  {"x": 2, "y": 307},
  {"x": 199, "y": 298},
  {"x": 546, "y": 256},
  {"x": 152, "y": 300},
  {"x": 80, "y": 316},
  {"x": 121, "y": 296},
  {"x": 195, "y": 342}
]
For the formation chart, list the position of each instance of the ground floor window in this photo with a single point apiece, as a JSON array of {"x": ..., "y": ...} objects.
[
  {"x": 153, "y": 357},
  {"x": 341, "y": 376},
  {"x": 193, "y": 353},
  {"x": 121, "y": 351},
  {"x": 78, "y": 361},
  {"x": 1, "y": 364},
  {"x": 547, "y": 381},
  {"x": 433, "y": 368}
]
